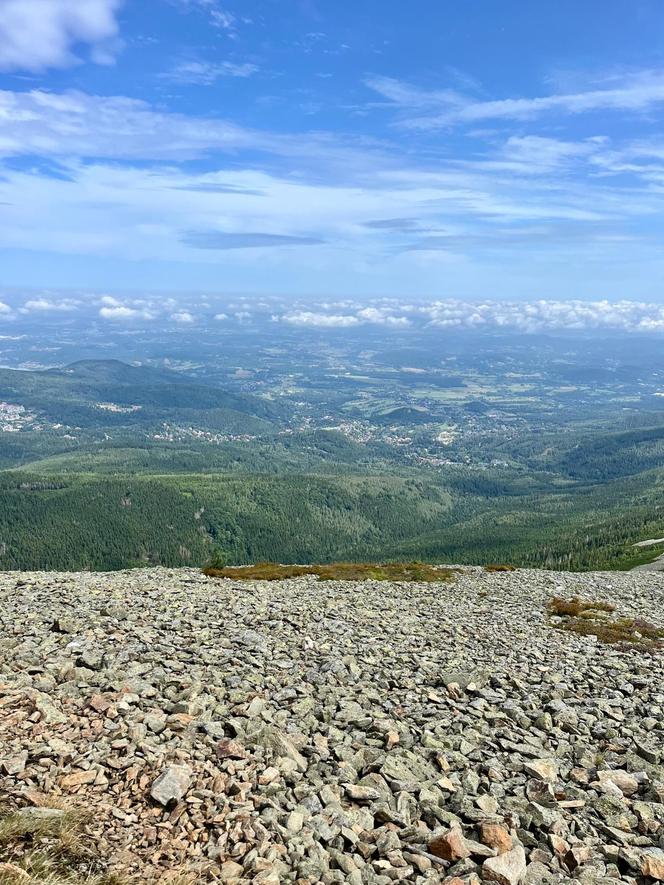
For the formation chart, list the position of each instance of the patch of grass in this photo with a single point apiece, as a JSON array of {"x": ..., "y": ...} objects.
[
  {"x": 35, "y": 824},
  {"x": 578, "y": 607},
  {"x": 47, "y": 873},
  {"x": 48, "y": 846},
  {"x": 594, "y": 619},
  {"x": 337, "y": 571},
  {"x": 499, "y": 567},
  {"x": 633, "y": 557},
  {"x": 632, "y": 631}
]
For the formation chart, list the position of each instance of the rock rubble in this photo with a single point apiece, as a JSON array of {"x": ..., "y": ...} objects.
[{"x": 305, "y": 732}]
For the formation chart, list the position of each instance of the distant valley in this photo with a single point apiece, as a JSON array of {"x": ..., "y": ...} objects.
[{"x": 266, "y": 442}]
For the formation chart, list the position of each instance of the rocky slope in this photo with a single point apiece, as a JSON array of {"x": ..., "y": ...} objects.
[{"x": 335, "y": 732}]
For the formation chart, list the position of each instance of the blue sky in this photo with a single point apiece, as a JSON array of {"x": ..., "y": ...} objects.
[{"x": 476, "y": 149}]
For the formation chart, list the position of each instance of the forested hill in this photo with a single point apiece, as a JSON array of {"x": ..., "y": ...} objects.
[{"x": 82, "y": 387}]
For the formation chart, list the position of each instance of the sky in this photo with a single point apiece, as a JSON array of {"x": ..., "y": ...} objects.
[{"x": 478, "y": 150}]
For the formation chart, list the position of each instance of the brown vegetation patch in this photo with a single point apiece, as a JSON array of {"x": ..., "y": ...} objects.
[
  {"x": 499, "y": 567},
  {"x": 589, "y": 618},
  {"x": 337, "y": 571},
  {"x": 623, "y": 630},
  {"x": 578, "y": 607},
  {"x": 48, "y": 846}
]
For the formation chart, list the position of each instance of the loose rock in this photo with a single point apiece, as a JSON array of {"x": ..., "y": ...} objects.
[
  {"x": 309, "y": 732},
  {"x": 172, "y": 784}
]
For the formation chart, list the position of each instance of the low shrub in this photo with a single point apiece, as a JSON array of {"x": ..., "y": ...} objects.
[
  {"x": 588, "y": 618},
  {"x": 337, "y": 571},
  {"x": 577, "y": 607},
  {"x": 216, "y": 560}
]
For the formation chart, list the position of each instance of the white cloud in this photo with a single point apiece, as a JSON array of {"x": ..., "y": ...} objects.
[
  {"x": 99, "y": 207},
  {"x": 404, "y": 95},
  {"x": 149, "y": 213},
  {"x": 47, "y": 305},
  {"x": 490, "y": 315},
  {"x": 382, "y": 317},
  {"x": 534, "y": 154},
  {"x": 40, "y": 34},
  {"x": 205, "y": 73},
  {"x": 374, "y": 217},
  {"x": 74, "y": 124},
  {"x": 117, "y": 313},
  {"x": 184, "y": 317},
  {"x": 218, "y": 15},
  {"x": 429, "y": 109},
  {"x": 221, "y": 18},
  {"x": 122, "y": 312},
  {"x": 320, "y": 320},
  {"x": 5, "y": 308},
  {"x": 448, "y": 314},
  {"x": 546, "y": 315}
]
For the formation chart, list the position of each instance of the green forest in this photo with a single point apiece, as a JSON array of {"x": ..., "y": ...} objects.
[{"x": 83, "y": 521}]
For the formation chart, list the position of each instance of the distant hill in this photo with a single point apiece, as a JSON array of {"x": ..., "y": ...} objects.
[
  {"x": 170, "y": 466},
  {"x": 403, "y": 415},
  {"x": 86, "y": 383},
  {"x": 93, "y": 403}
]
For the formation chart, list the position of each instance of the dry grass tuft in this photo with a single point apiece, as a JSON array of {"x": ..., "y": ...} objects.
[
  {"x": 499, "y": 567},
  {"x": 45, "y": 873},
  {"x": 36, "y": 824},
  {"x": 578, "y": 607},
  {"x": 337, "y": 571},
  {"x": 48, "y": 846},
  {"x": 594, "y": 619}
]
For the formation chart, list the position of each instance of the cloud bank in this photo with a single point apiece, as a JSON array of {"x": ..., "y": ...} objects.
[
  {"x": 446, "y": 315},
  {"x": 527, "y": 317}
]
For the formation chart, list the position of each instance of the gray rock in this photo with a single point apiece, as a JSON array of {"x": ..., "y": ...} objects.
[
  {"x": 507, "y": 869},
  {"x": 280, "y": 744},
  {"x": 14, "y": 764},
  {"x": 172, "y": 784},
  {"x": 91, "y": 658}
]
